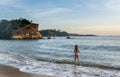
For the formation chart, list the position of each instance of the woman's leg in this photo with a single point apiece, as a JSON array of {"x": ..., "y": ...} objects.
[
  {"x": 78, "y": 60},
  {"x": 75, "y": 59}
]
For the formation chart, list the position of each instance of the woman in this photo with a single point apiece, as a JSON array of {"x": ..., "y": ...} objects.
[{"x": 77, "y": 55}]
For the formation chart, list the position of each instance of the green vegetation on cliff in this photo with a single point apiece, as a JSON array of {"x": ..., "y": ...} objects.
[
  {"x": 53, "y": 32},
  {"x": 8, "y": 26}
]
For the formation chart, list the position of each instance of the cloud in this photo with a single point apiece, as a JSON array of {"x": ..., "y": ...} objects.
[
  {"x": 93, "y": 5},
  {"x": 10, "y": 2},
  {"x": 5, "y": 2},
  {"x": 50, "y": 12},
  {"x": 113, "y": 4},
  {"x": 13, "y": 4},
  {"x": 102, "y": 5}
]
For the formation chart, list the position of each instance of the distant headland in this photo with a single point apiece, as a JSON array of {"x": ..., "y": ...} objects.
[
  {"x": 54, "y": 32},
  {"x": 74, "y": 34}
]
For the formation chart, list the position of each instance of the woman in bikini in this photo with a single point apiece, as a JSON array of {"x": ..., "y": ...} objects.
[{"x": 76, "y": 55}]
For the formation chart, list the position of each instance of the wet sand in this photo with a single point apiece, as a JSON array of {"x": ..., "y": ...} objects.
[{"x": 7, "y": 71}]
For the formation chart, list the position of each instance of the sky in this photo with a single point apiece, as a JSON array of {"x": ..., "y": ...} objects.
[{"x": 99, "y": 17}]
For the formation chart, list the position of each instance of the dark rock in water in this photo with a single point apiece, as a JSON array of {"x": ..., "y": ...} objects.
[
  {"x": 49, "y": 37},
  {"x": 68, "y": 37},
  {"x": 96, "y": 75},
  {"x": 28, "y": 32}
]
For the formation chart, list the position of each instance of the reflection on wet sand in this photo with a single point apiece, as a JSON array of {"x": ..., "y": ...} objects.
[{"x": 75, "y": 71}]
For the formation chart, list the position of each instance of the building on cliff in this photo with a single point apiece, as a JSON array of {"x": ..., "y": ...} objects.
[{"x": 28, "y": 32}]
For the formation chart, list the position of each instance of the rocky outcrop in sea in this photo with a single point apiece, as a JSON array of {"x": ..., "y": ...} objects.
[{"x": 28, "y": 32}]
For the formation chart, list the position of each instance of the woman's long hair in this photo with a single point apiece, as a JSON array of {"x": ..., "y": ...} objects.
[{"x": 76, "y": 48}]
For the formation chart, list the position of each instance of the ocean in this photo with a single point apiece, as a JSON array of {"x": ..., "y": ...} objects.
[{"x": 99, "y": 56}]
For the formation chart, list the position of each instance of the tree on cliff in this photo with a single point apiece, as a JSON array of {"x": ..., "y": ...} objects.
[
  {"x": 53, "y": 32},
  {"x": 8, "y": 26}
]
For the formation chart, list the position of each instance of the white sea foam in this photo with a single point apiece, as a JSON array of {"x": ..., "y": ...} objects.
[
  {"x": 53, "y": 69},
  {"x": 66, "y": 70}
]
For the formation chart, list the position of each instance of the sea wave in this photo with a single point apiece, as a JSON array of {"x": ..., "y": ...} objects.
[
  {"x": 82, "y": 63},
  {"x": 60, "y": 68},
  {"x": 100, "y": 47}
]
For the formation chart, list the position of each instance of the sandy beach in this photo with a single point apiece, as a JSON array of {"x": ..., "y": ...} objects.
[{"x": 8, "y": 71}]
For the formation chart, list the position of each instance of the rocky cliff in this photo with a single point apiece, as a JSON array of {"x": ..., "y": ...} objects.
[{"x": 28, "y": 32}]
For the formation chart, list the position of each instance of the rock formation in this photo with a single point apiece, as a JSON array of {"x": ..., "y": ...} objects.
[{"x": 28, "y": 32}]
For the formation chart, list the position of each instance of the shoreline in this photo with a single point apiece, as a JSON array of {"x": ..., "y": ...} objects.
[
  {"x": 9, "y": 71},
  {"x": 84, "y": 64},
  {"x": 67, "y": 71}
]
